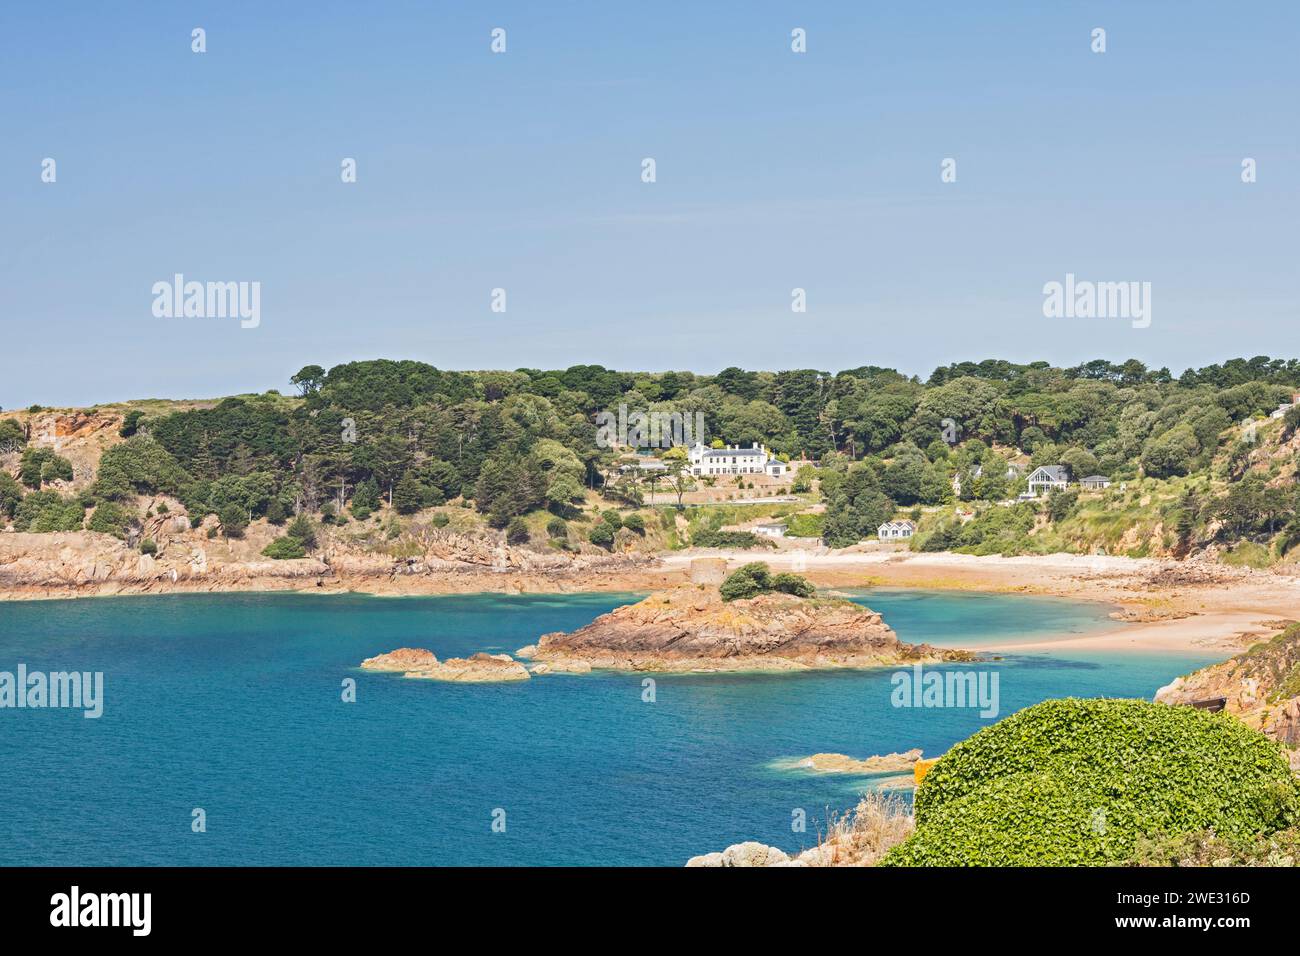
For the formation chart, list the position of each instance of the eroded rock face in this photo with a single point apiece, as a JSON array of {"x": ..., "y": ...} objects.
[
  {"x": 691, "y": 628},
  {"x": 1261, "y": 686},
  {"x": 423, "y": 664}
]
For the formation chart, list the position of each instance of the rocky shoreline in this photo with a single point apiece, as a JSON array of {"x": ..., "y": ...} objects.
[{"x": 693, "y": 629}]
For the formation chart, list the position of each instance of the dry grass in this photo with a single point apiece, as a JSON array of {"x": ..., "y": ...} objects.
[{"x": 862, "y": 836}]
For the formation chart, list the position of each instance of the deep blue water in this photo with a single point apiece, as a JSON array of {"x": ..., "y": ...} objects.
[{"x": 232, "y": 703}]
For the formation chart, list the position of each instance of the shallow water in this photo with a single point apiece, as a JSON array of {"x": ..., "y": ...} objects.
[{"x": 232, "y": 703}]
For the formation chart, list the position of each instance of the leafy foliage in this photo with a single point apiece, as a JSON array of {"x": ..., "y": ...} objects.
[
  {"x": 1073, "y": 781},
  {"x": 755, "y": 578}
]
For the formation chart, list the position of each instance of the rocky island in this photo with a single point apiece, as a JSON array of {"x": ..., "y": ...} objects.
[
  {"x": 777, "y": 624},
  {"x": 421, "y": 663}
]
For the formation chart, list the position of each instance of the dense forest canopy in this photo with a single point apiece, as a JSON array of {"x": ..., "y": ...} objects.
[{"x": 413, "y": 436}]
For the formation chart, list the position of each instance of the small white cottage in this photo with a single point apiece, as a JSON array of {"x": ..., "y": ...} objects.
[{"x": 894, "y": 530}]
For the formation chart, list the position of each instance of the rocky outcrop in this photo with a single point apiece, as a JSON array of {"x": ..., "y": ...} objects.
[
  {"x": 749, "y": 853},
  {"x": 476, "y": 669},
  {"x": 693, "y": 629},
  {"x": 1261, "y": 686},
  {"x": 839, "y": 763},
  {"x": 84, "y": 561}
]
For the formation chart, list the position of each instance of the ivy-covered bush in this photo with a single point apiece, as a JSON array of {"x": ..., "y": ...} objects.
[{"x": 1070, "y": 782}]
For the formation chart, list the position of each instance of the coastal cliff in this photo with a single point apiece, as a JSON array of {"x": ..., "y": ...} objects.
[
  {"x": 1260, "y": 686},
  {"x": 695, "y": 629}
]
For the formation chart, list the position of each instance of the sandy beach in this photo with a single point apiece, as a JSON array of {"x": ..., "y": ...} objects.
[{"x": 1158, "y": 604}]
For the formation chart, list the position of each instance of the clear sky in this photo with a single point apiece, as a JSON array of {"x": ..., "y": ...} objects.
[{"x": 522, "y": 171}]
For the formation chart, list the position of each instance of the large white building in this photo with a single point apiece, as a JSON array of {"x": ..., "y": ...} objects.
[{"x": 734, "y": 460}]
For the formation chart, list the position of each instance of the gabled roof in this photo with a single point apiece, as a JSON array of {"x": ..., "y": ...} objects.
[
  {"x": 1096, "y": 478},
  {"x": 1053, "y": 472}
]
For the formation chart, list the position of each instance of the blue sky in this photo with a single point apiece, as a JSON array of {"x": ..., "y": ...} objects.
[{"x": 522, "y": 171}]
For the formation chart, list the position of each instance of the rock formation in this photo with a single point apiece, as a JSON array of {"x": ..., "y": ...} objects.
[
  {"x": 839, "y": 763},
  {"x": 476, "y": 669},
  {"x": 1260, "y": 686},
  {"x": 693, "y": 629}
]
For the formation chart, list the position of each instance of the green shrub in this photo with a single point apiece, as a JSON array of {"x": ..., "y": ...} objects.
[
  {"x": 729, "y": 539},
  {"x": 1081, "y": 781},
  {"x": 517, "y": 531},
  {"x": 41, "y": 465},
  {"x": 601, "y": 534},
  {"x": 130, "y": 423},
  {"x": 148, "y": 546},
  {"x": 12, "y": 435},
  {"x": 46, "y": 511},
  {"x": 109, "y": 518},
  {"x": 634, "y": 522},
  {"x": 234, "y": 521},
  {"x": 11, "y": 494},
  {"x": 302, "y": 531},
  {"x": 284, "y": 548},
  {"x": 440, "y": 520},
  {"x": 557, "y": 528},
  {"x": 793, "y": 584},
  {"x": 755, "y": 578},
  {"x": 747, "y": 581}
]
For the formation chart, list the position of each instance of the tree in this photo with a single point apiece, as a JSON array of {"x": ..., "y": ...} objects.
[
  {"x": 408, "y": 495},
  {"x": 308, "y": 379},
  {"x": 517, "y": 531},
  {"x": 302, "y": 530},
  {"x": 234, "y": 521},
  {"x": 130, "y": 423},
  {"x": 109, "y": 518},
  {"x": 365, "y": 499},
  {"x": 856, "y": 508},
  {"x": 1170, "y": 453},
  {"x": 11, "y": 494},
  {"x": 12, "y": 436}
]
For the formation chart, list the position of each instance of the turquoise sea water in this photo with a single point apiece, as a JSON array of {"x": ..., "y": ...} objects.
[{"x": 232, "y": 703}]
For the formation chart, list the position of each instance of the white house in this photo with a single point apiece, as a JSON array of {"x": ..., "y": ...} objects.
[
  {"x": 734, "y": 460},
  {"x": 893, "y": 530},
  {"x": 770, "y": 530},
  {"x": 1281, "y": 410},
  {"x": 1095, "y": 482},
  {"x": 1048, "y": 478}
]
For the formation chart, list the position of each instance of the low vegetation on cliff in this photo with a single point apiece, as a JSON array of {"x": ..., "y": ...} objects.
[{"x": 1070, "y": 782}]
